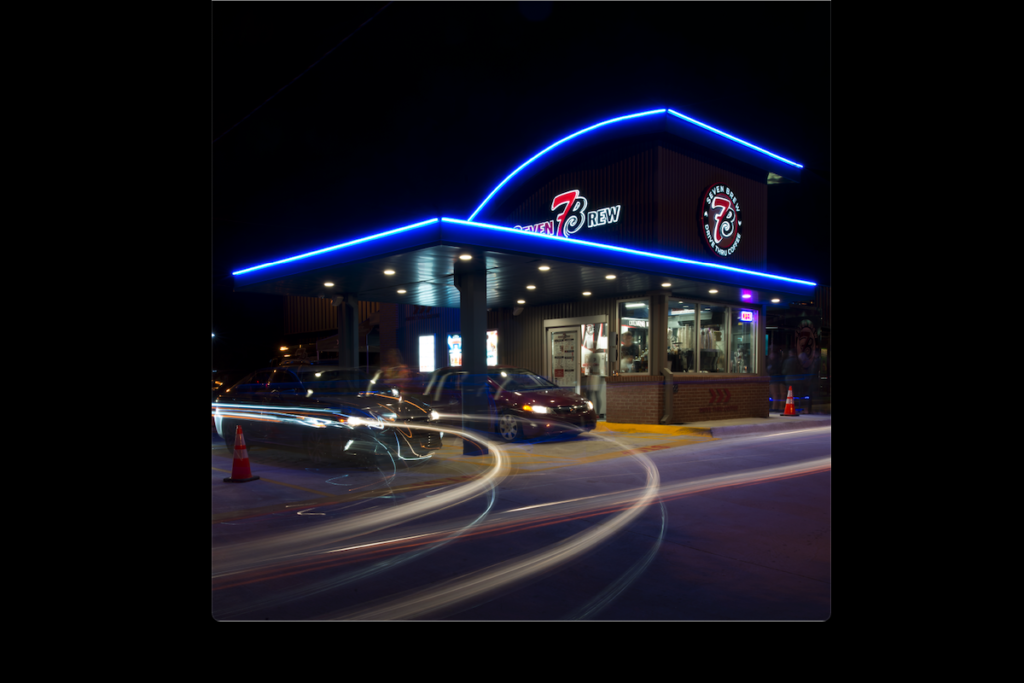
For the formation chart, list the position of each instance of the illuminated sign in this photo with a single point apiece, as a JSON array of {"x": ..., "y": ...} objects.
[
  {"x": 721, "y": 219},
  {"x": 747, "y": 316},
  {"x": 492, "y": 348},
  {"x": 454, "y": 349},
  {"x": 574, "y": 216},
  {"x": 427, "y": 353}
]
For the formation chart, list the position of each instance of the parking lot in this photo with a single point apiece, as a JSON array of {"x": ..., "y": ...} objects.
[{"x": 609, "y": 525}]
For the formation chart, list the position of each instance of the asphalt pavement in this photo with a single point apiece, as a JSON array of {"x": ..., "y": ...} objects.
[{"x": 756, "y": 547}]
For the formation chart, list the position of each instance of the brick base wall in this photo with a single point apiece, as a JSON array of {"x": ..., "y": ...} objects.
[{"x": 639, "y": 399}]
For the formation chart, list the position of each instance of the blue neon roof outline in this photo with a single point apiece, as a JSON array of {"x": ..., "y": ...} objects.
[
  {"x": 627, "y": 250},
  {"x": 562, "y": 240},
  {"x": 623, "y": 118},
  {"x": 556, "y": 144},
  {"x": 733, "y": 138},
  {"x": 336, "y": 246}
]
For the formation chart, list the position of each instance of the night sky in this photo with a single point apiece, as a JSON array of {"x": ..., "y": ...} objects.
[{"x": 424, "y": 109}]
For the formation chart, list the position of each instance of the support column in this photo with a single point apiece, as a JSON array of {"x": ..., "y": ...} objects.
[
  {"x": 657, "y": 333},
  {"x": 348, "y": 330},
  {"x": 471, "y": 281}
]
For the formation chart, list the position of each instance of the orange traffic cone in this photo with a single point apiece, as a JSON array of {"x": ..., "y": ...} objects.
[
  {"x": 790, "y": 410},
  {"x": 240, "y": 466}
]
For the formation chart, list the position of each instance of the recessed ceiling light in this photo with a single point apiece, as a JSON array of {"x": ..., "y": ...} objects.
[
  {"x": 609, "y": 277},
  {"x": 713, "y": 291},
  {"x": 775, "y": 301},
  {"x": 465, "y": 257},
  {"x": 666, "y": 284},
  {"x": 401, "y": 291},
  {"x": 586, "y": 293},
  {"x": 531, "y": 286},
  {"x": 328, "y": 284},
  {"x": 521, "y": 301},
  {"x": 389, "y": 272}
]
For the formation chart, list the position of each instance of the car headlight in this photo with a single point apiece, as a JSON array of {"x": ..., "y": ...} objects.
[
  {"x": 537, "y": 409},
  {"x": 590, "y": 405},
  {"x": 434, "y": 415}
]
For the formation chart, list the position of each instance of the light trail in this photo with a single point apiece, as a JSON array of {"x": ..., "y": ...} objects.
[{"x": 291, "y": 553}]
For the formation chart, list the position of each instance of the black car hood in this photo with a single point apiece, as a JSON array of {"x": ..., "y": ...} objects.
[{"x": 406, "y": 408}]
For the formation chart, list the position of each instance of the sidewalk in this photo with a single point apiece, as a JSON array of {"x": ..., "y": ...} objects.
[{"x": 775, "y": 422}]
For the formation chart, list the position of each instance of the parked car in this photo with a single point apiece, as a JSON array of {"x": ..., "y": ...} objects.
[
  {"x": 329, "y": 411},
  {"x": 519, "y": 403}
]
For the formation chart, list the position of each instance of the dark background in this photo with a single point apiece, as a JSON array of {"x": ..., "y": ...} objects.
[{"x": 423, "y": 110}]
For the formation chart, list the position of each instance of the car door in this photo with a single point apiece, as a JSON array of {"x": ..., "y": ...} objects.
[
  {"x": 248, "y": 396},
  {"x": 280, "y": 402}
]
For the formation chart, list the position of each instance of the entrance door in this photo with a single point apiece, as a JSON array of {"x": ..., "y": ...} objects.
[{"x": 564, "y": 345}]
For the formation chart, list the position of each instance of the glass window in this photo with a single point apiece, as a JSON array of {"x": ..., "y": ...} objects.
[
  {"x": 682, "y": 335},
  {"x": 713, "y": 338},
  {"x": 742, "y": 350},
  {"x": 634, "y": 336}
]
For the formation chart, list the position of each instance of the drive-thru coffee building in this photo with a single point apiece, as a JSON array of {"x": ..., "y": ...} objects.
[{"x": 626, "y": 261}]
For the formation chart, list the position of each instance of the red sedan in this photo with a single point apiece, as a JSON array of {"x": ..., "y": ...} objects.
[{"x": 521, "y": 404}]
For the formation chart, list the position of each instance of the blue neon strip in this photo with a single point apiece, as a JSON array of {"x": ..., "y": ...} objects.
[
  {"x": 337, "y": 246},
  {"x": 625, "y": 250},
  {"x": 551, "y": 147},
  {"x": 734, "y": 139}
]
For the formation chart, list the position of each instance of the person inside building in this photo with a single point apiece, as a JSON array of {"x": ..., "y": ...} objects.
[{"x": 628, "y": 353}]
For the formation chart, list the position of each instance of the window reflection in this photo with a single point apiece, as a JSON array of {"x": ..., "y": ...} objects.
[
  {"x": 682, "y": 336},
  {"x": 633, "y": 335},
  {"x": 713, "y": 339}
]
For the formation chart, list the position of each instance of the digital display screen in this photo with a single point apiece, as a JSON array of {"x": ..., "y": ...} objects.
[{"x": 454, "y": 349}]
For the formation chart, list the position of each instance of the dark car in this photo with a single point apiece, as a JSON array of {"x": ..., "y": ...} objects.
[
  {"x": 519, "y": 403},
  {"x": 327, "y": 410}
]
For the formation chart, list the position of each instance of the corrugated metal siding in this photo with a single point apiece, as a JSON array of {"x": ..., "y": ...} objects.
[
  {"x": 521, "y": 337},
  {"x": 628, "y": 181},
  {"x": 304, "y": 314},
  {"x": 681, "y": 183}
]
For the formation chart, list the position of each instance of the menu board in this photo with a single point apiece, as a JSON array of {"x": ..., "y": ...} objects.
[{"x": 564, "y": 357}]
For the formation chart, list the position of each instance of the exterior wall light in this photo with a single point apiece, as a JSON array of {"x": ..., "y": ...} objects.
[
  {"x": 401, "y": 291},
  {"x": 713, "y": 291},
  {"x": 328, "y": 284},
  {"x": 389, "y": 272},
  {"x": 586, "y": 293},
  {"x": 465, "y": 257},
  {"x": 609, "y": 277},
  {"x": 544, "y": 268}
]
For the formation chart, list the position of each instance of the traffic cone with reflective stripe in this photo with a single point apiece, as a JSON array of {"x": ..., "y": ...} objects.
[
  {"x": 790, "y": 409},
  {"x": 240, "y": 472}
]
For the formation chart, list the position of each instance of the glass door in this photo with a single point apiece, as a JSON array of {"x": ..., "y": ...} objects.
[{"x": 564, "y": 350}]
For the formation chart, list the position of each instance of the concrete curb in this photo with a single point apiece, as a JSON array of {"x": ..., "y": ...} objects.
[{"x": 773, "y": 426}]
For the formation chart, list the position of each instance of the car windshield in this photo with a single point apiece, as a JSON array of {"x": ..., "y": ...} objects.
[
  {"x": 520, "y": 380},
  {"x": 341, "y": 381}
]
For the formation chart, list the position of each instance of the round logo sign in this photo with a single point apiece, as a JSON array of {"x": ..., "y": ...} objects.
[{"x": 721, "y": 219}]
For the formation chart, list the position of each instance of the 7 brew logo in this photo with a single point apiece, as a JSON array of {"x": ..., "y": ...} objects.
[
  {"x": 571, "y": 215},
  {"x": 721, "y": 219}
]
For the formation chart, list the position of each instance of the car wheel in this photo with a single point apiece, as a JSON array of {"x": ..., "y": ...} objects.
[
  {"x": 318, "y": 446},
  {"x": 509, "y": 427}
]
